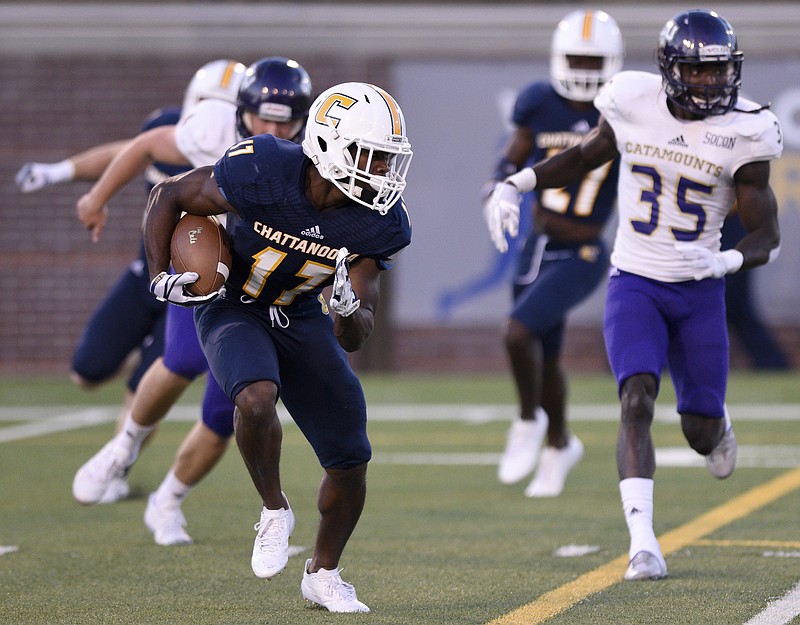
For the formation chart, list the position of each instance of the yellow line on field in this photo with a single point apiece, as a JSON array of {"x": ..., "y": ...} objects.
[
  {"x": 761, "y": 544},
  {"x": 560, "y": 599}
]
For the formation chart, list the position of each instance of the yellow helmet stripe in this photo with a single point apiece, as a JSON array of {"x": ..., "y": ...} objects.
[
  {"x": 227, "y": 75},
  {"x": 587, "y": 25},
  {"x": 394, "y": 111}
]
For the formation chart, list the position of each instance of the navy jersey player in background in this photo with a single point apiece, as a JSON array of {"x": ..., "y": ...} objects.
[
  {"x": 272, "y": 95},
  {"x": 125, "y": 322},
  {"x": 689, "y": 148},
  {"x": 564, "y": 257},
  {"x": 745, "y": 320},
  {"x": 128, "y": 325},
  {"x": 300, "y": 218}
]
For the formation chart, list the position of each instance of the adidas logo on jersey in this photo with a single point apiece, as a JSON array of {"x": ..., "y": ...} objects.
[
  {"x": 581, "y": 126},
  {"x": 679, "y": 141},
  {"x": 312, "y": 232}
]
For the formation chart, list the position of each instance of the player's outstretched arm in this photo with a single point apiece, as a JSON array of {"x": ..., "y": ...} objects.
[
  {"x": 567, "y": 167},
  {"x": 157, "y": 144},
  {"x": 598, "y": 147},
  {"x": 84, "y": 166}
]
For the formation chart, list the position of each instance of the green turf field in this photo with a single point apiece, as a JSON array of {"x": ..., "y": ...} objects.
[{"x": 440, "y": 541}]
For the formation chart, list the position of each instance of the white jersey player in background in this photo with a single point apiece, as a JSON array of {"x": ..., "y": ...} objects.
[
  {"x": 271, "y": 96},
  {"x": 126, "y": 314},
  {"x": 690, "y": 148}
]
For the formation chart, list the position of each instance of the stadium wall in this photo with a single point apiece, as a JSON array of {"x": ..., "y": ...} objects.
[{"x": 76, "y": 75}]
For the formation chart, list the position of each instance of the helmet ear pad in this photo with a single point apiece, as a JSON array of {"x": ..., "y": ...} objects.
[{"x": 348, "y": 157}]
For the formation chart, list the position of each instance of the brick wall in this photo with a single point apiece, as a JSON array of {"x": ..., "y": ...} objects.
[
  {"x": 480, "y": 349},
  {"x": 53, "y": 276}
]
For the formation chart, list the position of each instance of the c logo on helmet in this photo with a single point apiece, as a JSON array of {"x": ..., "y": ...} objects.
[{"x": 325, "y": 114}]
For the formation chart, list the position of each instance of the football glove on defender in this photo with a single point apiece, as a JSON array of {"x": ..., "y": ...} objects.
[
  {"x": 501, "y": 212},
  {"x": 343, "y": 299},
  {"x": 170, "y": 288},
  {"x": 36, "y": 176},
  {"x": 707, "y": 264}
]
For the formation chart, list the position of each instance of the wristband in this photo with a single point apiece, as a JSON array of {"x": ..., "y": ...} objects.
[
  {"x": 732, "y": 260},
  {"x": 63, "y": 171},
  {"x": 773, "y": 254},
  {"x": 524, "y": 179}
]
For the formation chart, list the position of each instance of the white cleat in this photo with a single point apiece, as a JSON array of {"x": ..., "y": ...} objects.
[
  {"x": 554, "y": 466},
  {"x": 167, "y": 525},
  {"x": 327, "y": 590},
  {"x": 93, "y": 479},
  {"x": 271, "y": 548},
  {"x": 522, "y": 448},
  {"x": 722, "y": 460},
  {"x": 118, "y": 490},
  {"x": 646, "y": 566}
]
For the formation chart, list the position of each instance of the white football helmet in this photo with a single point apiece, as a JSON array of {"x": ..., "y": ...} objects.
[
  {"x": 584, "y": 33},
  {"x": 354, "y": 119},
  {"x": 217, "y": 80}
]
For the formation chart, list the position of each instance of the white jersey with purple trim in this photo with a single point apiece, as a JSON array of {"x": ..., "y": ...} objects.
[
  {"x": 206, "y": 130},
  {"x": 676, "y": 176}
]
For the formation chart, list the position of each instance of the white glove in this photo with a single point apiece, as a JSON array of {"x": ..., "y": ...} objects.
[
  {"x": 36, "y": 176},
  {"x": 707, "y": 264},
  {"x": 343, "y": 299},
  {"x": 501, "y": 211},
  {"x": 170, "y": 288}
]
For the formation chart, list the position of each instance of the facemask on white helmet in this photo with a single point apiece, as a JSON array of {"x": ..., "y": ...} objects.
[
  {"x": 582, "y": 34},
  {"x": 352, "y": 126}
]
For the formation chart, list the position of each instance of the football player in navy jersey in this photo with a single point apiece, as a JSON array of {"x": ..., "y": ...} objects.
[
  {"x": 742, "y": 312},
  {"x": 564, "y": 258},
  {"x": 299, "y": 218},
  {"x": 127, "y": 321},
  {"x": 689, "y": 147},
  {"x": 106, "y": 343},
  {"x": 108, "y": 340}
]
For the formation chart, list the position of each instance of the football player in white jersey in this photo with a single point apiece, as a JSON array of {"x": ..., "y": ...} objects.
[
  {"x": 272, "y": 96},
  {"x": 126, "y": 319},
  {"x": 689, "y": 148}
]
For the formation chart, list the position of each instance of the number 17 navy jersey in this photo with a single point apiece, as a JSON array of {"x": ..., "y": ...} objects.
[{"x": 284, "y": 250}]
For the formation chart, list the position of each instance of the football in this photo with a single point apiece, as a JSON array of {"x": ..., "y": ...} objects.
[{"x": 200, "y": 244}]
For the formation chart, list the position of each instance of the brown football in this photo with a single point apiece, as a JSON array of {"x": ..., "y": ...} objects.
[{"x": 200, "y": 244}]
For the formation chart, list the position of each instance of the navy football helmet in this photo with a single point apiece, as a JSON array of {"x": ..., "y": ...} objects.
[
  {"x": 693, "y": 38},
  {"x": 274, "y": 89}
]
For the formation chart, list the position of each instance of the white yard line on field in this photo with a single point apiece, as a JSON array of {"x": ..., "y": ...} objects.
[
  {"x": 781, "y": 611},
  {"x": 467, "y": 413},
  {"x": 43, "y": 421},
  {"x": 34, "y": 424}
]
